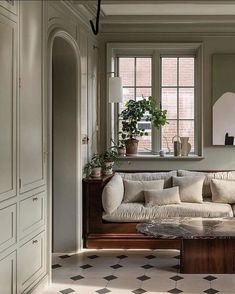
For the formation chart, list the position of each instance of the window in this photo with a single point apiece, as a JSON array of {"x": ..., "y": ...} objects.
[
  {"x": 171, "y": 74},
  {"x": 136, "y": 73},
  {"x": 177, "y": 97}
]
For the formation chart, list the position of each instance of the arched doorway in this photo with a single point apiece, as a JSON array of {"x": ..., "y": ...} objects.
[{"x": 64, "y": 180}]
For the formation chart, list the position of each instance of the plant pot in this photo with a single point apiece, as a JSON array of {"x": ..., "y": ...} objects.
[
  {"x": 131, "y": 146},
  {"x": 96, "y": 172},
  {"x": 121, "y": 151},
  {"x": 108, "y": 168}
]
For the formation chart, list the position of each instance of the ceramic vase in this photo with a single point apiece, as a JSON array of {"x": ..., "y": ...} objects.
[
  {"x": 108, "y": 168},
  {"x": 185, "y": 146},
  {"x": 96, "y": 172}
]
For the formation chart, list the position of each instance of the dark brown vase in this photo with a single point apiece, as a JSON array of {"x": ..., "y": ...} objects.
[{"x": 131, "y": 146}]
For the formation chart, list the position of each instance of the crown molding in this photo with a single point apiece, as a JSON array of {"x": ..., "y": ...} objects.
[
  {"x": 92, "y": 9},
  {"x": 154, "y": 2},
  {"x": 168, "y": 19}
]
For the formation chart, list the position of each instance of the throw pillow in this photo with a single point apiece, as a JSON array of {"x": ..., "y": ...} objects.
[
  {"x": 112, "y": 194},
  {"x": 190, "y": 188},
  {"x": 151, "y": 176},
  {"x": 223, "y": 191},
  {"x": 206, "y": 190},
  {"x": 134, "y": 190},
  {"x": 164, "y": 197}
]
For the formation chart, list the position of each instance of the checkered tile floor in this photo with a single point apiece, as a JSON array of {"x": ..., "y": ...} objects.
[{"x": 131, "y": 271}]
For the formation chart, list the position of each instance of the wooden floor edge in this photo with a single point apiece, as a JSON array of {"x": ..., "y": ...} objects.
[{"x": 121, "y": 243}]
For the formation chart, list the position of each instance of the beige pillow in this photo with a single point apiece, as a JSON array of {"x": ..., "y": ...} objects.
[
  {"x": 134, "y": 190},
  {"x": 112, "y": 194},
  {"x": 206, "y": 190},
  {"x": 190, "y": 188},
  {"x": 223, "y": 191},
  {"x": 164, "y": 197},
  {"x": 151, "y": 176}
]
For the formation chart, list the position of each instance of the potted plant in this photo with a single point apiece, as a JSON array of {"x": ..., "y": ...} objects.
[
  {"x": 119, "y": 146},
  {"x": 94, "y": 167},
  {"x": 110, "y": 156},
  {"x": 134, "y": 112}
]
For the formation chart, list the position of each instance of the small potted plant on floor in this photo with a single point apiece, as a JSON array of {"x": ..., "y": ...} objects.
[
  {"x": 94, "y": 167},
  {"x": 134, "y": 112},
  {"x": 110, "y": 156}
]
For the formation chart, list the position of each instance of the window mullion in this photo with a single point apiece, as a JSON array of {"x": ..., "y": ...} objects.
[
  {"x": 135, "y": 78},
  {"x": 178, "y": 96},
  {"x": 156, "y": 93}
]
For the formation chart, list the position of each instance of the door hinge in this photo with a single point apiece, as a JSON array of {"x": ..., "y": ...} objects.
[
  {"x": 19, "y": 82},
  {"x": 20, "y": 183}
]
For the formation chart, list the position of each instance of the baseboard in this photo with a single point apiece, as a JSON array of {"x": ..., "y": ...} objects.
[{"x": 40, "y": 286}]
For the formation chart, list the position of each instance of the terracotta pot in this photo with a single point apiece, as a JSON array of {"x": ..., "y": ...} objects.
[
  {"x": 96, "y": 172},
  {"x": 108, "y": 168},
  {"x": 131, "y": 146},
  {"x": 121, "y": 151}
]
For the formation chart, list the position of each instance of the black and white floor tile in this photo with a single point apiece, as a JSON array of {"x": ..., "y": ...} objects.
[{"x": 130, "y": 271}]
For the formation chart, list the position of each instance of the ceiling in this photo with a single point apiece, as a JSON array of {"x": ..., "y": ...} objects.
[{"x": 168, "y": 11}]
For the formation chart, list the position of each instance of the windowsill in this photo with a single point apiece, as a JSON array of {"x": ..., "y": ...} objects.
[{"x": 157, "y": 157}]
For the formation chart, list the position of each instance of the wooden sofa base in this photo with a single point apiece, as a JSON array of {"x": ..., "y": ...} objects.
[{"x": 99, "y": 241}]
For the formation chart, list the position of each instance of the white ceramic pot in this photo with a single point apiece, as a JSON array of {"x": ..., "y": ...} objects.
[
  {"x": 108, "y": 168},
  {"x": 96, "y": 172},
  {"x": 185, "y": 146}
]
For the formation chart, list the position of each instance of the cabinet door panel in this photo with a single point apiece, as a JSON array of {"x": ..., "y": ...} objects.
[
  {"x": 7, "y": 227},
  {"x": 31, "y": 95},
  {"x": 31, "y": 260},
  {"x": 7, "y": 110},
  {"x": 32, "y": 213},
  {"x": 8, "y": 274}
]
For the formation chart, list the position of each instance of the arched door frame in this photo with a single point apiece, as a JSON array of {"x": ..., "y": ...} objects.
[{"x": 55, "y": 33}]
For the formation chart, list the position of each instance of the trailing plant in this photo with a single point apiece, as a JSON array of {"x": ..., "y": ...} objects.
[
  {"x": 110, "y": 155},
  {"x": 135, "y": 111},
  {"x": 118, "y": 144}
]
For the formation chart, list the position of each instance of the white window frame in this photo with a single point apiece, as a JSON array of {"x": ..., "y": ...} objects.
[{"x": 156, "y": 50}]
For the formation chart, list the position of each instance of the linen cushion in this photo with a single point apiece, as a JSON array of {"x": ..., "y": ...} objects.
[
  {"x": 137, "y": 212},
  {"x": 190, "y": 188},
  {"x": 134, "y": 190},
  {"x": 164, "y": 197},
  {"x": 223, "y": 191},
  {"x": 206, "y": 190},
  {"x": 150, "y": 176},
  {"x": 112, "y": 194}
]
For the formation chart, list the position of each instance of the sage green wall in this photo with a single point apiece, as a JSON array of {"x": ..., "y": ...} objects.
[
  {"x": 214, "y": 157},
  {"x": 223, "y": 71}
]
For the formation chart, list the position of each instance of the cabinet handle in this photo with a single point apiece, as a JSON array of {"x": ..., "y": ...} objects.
[
  {"x": 35, "y": 199},
  {"x": 35, "y": 241}
]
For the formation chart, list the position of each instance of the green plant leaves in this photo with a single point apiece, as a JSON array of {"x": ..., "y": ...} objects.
[{"x": 137, "y": 110}]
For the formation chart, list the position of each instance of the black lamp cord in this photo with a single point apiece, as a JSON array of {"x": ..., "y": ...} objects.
[{"x": 96, "y": 29}]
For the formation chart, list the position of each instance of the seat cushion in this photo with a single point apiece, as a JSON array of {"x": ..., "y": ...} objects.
[
  {"x": 206, "y": 190},
  {"x": 166, "y": 176},
  {"x": 137, "y": 212}
]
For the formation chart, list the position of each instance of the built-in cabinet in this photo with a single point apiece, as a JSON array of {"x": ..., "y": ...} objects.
[
  {"x": 25, "y": 30},
  {"x": 23, "y": 234}
]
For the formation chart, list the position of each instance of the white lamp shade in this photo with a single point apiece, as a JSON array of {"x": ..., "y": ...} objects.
[{"x": 115, "y": 90}]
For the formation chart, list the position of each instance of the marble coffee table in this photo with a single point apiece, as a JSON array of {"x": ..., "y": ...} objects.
[{"x": 207, "y": 244}]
